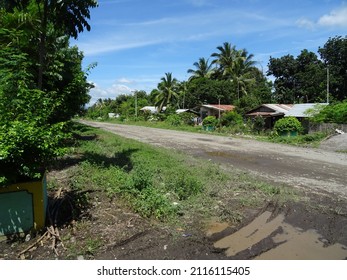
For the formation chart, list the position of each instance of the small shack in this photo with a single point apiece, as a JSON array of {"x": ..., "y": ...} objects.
[{"x": 214, "y": 110}]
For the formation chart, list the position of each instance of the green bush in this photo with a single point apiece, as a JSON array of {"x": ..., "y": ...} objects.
[
  {"x": 287, "y": 124},
  {"x": 26, "y": 148},
  {"x": 258, "y": 124},
  {"x": 187, "y": 118},
  {"x": 231, "y": 118},
  {"x": 174, "y": 120},
  {"x": 210, "y": 121},
  {"x": 141, "y": 177},
  {"x": 333, "y": 113}
]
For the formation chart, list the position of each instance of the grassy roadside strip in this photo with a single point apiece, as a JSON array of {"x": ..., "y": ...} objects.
[{"x": 162, "y": 184}]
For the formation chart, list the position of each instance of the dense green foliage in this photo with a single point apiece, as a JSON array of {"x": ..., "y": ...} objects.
[
  {"x": 287, "y": 124},
  {"x": 210, "y": 121},
  {"x": 334, "y": 55},
  {"x": 333, "y": 113},
  {"x": 42, "y": 84},
  {"x": 304, "y": 79},
  {"x": 231, "y": 118}
]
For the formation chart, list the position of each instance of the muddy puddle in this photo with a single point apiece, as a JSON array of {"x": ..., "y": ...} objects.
[{"x": 271, "y": 238}]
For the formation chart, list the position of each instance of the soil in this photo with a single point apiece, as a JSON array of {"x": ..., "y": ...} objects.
[{"x": 107, "y": 229}]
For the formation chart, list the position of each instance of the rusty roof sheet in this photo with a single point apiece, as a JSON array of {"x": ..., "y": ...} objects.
[{"x": 220, "y": 107}]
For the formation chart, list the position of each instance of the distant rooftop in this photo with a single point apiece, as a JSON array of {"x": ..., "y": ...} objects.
[
  {"x": 220, "y": 107},
  {"x": 299, "y": 110},
  {"x": 270, "y": 110}
]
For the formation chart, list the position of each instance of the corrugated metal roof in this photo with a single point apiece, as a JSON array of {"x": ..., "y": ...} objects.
[
  {"x": 283, "y": 108},
  {"x": 152, "y": 109},
  {"x": 276, "y": 110},
  {"x": 299, "y": 110},
  {"x": 220, "y": 107}
]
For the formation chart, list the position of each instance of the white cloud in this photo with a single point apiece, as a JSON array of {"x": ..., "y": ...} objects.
[
  {"x": 124, "y": 81},
  {"x": 306, "y": 23},
  {"x": 335, "y": 18},
  {"x": 112, "y": 92}
]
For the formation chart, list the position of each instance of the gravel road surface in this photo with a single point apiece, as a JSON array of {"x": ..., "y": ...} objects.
[{"x": 319, "y": 170}]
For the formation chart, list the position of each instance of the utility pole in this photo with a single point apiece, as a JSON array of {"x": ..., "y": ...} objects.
[
  {"x": 327, "y": 84},
  {"x": 135, "y": 95}
]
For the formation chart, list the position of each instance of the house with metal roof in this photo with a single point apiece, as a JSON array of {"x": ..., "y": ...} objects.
[
  {"x": 270, "y": 112},
  {"x": 214, "y": 110}
]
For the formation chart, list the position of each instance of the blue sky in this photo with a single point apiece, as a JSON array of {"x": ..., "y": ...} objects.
[{"x": 135, "y": 42}]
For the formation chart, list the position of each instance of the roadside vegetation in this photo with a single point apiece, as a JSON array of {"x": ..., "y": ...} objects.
[{"x": 160, "y": 184}]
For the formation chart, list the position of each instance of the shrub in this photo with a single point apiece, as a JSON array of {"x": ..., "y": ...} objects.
[
  {"x": 187, "y": 118},
  {"x": 231, "y": 118},
  {"x": 259, "y": 124},
  {"x": 141, "y": 177},
  {"x": 287, "y": 124},
  {"x": 209, "y": 121},
  {"x": 174, "y": 120},
  {"x": 333, "y": 113}
]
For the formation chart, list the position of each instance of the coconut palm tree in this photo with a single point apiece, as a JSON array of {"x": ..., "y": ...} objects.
[
  {"x": 225, "y": 59},
  {"x": 203, "y": 69},
  {"x": 167, "y": 91},
  {"x": 241, "y": 73}
]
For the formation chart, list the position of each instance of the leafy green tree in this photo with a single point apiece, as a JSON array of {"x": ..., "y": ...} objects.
[
  {"x": 310, "y": 78},
  {"x": 334, "y": 55},
  {"x": 56, "y": 67},
  {"x": 27, "y": 140},
  {"x": 283, "y": 69},
  {"x": 41, "y": 82},
  {"x": 207, "y": 91}
]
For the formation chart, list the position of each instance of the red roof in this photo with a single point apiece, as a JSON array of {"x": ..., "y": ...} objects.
[{"x": 220, "y": 107}]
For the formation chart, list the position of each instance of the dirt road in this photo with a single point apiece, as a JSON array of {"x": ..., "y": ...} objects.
[{"x": 317, "y": 169}]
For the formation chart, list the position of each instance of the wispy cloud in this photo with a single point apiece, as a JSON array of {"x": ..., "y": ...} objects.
[
  {"x": 306, "y": 23},
  {"x": 194, "y": 27},
  {"x": 335, "y": 18},
  {"x": 200, "y": 3}
]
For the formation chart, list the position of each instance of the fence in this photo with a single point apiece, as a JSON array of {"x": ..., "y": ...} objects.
[{"x": 326, "y": 127}]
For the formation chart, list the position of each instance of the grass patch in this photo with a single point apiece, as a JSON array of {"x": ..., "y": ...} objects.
[
  {"x": 163, "y": 184},
  {"x": 309, "y": 140}
]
